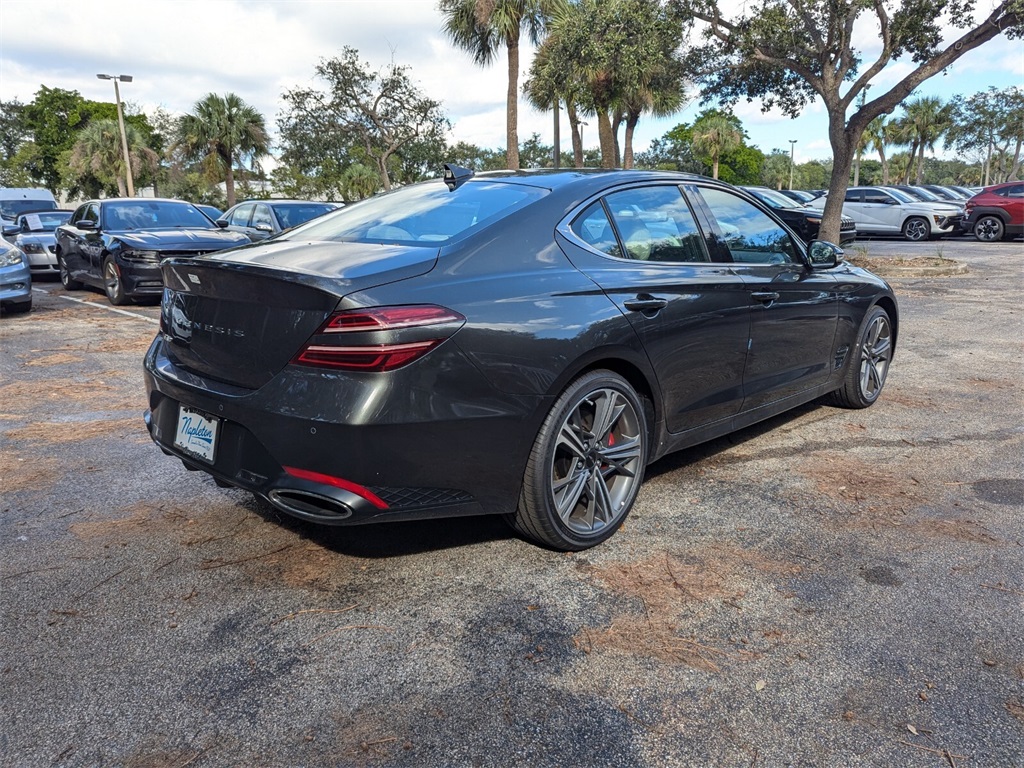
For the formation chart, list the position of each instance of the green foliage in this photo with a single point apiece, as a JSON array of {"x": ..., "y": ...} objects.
[
  {"x": 476, "y": 158},
  {"x": 483, "y": 27},
  {"x": 222, "y": 132},
  {"x": 787, "y": 53},
  {"x": 680, "y": 149},
  {"x": 53, "y": 118},
  {"x": 990, "y": 124},
  {"x": 365, "y": 116},
  {"x": 611, "y": 58},
  {"x": 96, "y": 161}
]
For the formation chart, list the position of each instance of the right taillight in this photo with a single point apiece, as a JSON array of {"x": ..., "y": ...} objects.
[{"x": 378, "y": 339}]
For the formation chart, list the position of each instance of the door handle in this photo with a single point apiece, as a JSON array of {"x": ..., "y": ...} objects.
[
  {"x": 645, "y": 303},
  {"x": 765, "y": 296}
]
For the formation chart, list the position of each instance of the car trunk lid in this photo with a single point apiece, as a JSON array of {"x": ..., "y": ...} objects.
[{"x": 240, "y": 317}]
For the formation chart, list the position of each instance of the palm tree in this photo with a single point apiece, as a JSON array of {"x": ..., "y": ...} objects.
[
  {"x": 661, "y": 95},
  {"x": 482, "y": 27},
  {"x": 546, "y": 88},
  {"x": 222, "y": 131},
  {"x": 877, "y": 135},
  {"x": 714, "y": 135},
  {"x": 926, "y": 120},
  {"x": 98, "y": 152}
]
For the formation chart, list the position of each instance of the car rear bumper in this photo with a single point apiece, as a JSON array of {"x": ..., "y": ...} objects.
[{"x": 387, "y": 449}]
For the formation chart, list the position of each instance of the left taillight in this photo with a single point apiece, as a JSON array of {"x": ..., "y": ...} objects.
[{"x": 378, "y": 339}]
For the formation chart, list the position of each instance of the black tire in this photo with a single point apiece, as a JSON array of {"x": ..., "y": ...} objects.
[
  {"x": 112, "y": 283},
  {"x": 581, "y": 482},
  {"x": 868, "y": 362},
  {"x": 66, "y": 280},
  {"x": 989, "y": 229},
  {"x": 916, "y": 229}
]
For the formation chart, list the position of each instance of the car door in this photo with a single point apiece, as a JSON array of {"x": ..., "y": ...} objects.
[
  {"x": 794, "y": 309},
  {"x": 643, "y": 247},
  {"x": 78, "y": 244},
  {"x": 884, "y": 210}
]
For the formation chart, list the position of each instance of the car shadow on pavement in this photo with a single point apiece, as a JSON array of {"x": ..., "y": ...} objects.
[
  {"x": 699, "y": 453},
  {"x": 398, "y": 539}
]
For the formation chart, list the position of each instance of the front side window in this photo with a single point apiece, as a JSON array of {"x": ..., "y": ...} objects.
[
  {"x": 240, "y": 216},
  {"x": 876, "y": 196},
  {"x": 751, "y": 236},
  {"x": 262, "y": 216}
]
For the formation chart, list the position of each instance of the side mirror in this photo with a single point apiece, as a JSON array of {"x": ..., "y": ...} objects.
[
  {"x": 87, "y": 224},
  {"x": 222, "y": 223},
  {"x": 264, "y": 228},
  {"x": 824, "y": 255},
  {"x": 11, "y": 229}
]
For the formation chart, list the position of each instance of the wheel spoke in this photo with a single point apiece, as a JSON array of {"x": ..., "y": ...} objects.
[
  {"x": 568, "y": 490},
  {"x": 621, "y": 454},
  {"x": 601, "y": 499},
  {"x": 608, "y": 408},
  {"x": 570, "y": 439}
]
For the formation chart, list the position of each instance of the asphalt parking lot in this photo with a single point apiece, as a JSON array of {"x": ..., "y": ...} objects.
[{"x": 829, "y": 588}]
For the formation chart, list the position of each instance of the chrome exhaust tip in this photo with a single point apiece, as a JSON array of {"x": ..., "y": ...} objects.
[{"x": 309, "y": 506}]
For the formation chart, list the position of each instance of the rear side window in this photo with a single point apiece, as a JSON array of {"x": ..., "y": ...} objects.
[
  {"x": 593, "y": 228},
  {"x": 650, "y": 224},
  {"x": 422, "y": 214}
]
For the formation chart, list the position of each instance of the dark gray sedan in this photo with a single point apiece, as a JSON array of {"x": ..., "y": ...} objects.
[
  {"x": 512, "y": 343},
  {"x": 259, "y": 219}
]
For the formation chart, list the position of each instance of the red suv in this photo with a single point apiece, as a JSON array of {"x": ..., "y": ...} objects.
[{"x": 996, "y": 213}]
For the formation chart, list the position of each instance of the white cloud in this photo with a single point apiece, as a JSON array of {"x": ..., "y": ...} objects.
[{"x": 180, "y": 50}]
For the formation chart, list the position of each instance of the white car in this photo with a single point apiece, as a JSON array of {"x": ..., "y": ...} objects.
[{"x": 888, "y": 211}]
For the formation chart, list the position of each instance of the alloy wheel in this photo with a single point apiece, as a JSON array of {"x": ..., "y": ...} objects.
[
  {"x": 916, "y": 229},
  {"x": 597, "y": 461},
  {"x": 876, "y": 352}
]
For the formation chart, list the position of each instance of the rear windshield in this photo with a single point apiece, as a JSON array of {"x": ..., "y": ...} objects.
[
  {"x": 11, "y": 208},
  {"x": 422, "y": 214},
  {"x": 44, "y": 221},
  {"x": 292, "y": 214}
]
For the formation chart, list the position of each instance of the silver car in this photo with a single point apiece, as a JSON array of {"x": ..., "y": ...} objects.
[
  {"x": 15, "y": 279},
  {"x": 888, "y": 211},
  {"x": 34, "y": 234}
]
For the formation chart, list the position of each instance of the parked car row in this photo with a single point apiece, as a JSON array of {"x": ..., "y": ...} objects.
[
  {"x": 930, "y": 211},
  {"x": 117, "y": 245}
]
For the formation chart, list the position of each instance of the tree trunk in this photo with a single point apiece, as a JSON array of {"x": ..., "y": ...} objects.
[
  {"x": 122, "y": 190},
  {"x": 842, "y": 162},
  {"x": 512, "y": 105},
  {"x": 616, "y": 122},
  {"x": 607, "y": 138},
  {"x": 885, "y": 167},
  {"x": 556, "y": 149},
  {"x": 714, "y": 166},
  {"x": 577, "y": 139},
  {"x": 229, "y": 183},
  {"x": 627, "y": 155},
  {"x": 920, "y": 165}
]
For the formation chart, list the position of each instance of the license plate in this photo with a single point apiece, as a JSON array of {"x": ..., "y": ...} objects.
[{"x": 196, "y": 434}]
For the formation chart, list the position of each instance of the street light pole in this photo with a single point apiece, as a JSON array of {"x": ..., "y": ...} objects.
[
  {"x": 792, "y": 147},
  {"x": 120, "y": 123}
]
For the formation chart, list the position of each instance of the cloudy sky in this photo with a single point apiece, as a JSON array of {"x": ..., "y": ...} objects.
[{"x": 179, "y": 50}]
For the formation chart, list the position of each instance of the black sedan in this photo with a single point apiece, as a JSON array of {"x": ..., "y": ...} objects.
[
  {"x": 117, "y": 245},
  {"x": 259, "y": 219},
  {"x": 804, "y": 220},
  {"x": 513, "y": 343}
]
